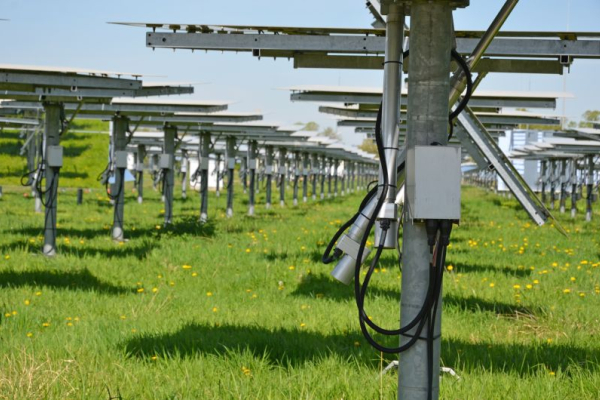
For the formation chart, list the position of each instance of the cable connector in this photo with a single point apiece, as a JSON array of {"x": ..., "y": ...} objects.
[
  {"x": 445, "y": 231},
  {"x": 432, "y": 226}
]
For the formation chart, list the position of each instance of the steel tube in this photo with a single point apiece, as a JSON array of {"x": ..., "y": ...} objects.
[
  {"x": 119, "y": 137},
  {"x": 204, "y": 153},
  {"x": 427, "y": 122},
  {"x": 269, "y": 174},
  {"x": 230, "y": 160},
  {"x": 282, "y": 173},
  {"x": 51, "y": 138},
  {"x": 169, "y": 173}
]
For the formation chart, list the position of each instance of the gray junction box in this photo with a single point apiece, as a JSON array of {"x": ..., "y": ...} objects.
[{"x": 433, "y": 177}]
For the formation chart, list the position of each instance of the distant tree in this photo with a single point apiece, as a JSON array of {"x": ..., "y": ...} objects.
[
  {"x": 369, "y": 146},
  {"x": 311, "y": 126},
  {"x": 588, "y": 117},
  {"x": 572, "y": 124},
  {"x": 330, "y": 133}
]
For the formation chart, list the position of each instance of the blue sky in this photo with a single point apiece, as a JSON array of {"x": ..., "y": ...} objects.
[{"x": 74, "y": 33}]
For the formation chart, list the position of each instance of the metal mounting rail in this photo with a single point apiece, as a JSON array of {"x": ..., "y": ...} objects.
[{"x": 498, "y": 160}]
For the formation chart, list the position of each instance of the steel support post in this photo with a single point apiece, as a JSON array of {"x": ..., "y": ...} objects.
[
  {"x": 79, "y": 196},
  {"x": 185, "y": 165},
  {"x": 323, "y": 171},
  {"x": 329, "y": 176},
  {"x": 230, "y": 161},
  {"x": 573, "y": 183},
  {"x": 427, "y": 123},
  {"x": 52, "y": 170},
  {"x": 167, "y": 164},
  {"x": 119, "y": 159},
  {"x": 590, "y": 188},
  {"x": 155, "y": 170},
  {"x": 296, "y": 178},
  {"x": 244, "y": 174},
  {"x": 553, "y": 178},
  {"x": 141, "y": 155},
  {"x": 305, "y": 168},
  {"x": 315, "y": 164},
  {"x": 251, "y": 167},
  {"x": 218, "y": 172},
  {"x": 544, "y": 171},
  {"x": 204, "y": 153},
  {"x": 563, "y": 185},
  {"x": 352, "y": 188},
  {"x": 336, "y": 177},
  {"x": 282, "y": 174},
  {"x": 36, "y": 149},
  {"x": 269, "y": 174}
]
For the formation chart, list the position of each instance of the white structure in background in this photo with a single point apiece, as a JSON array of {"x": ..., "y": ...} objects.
[
  {"x": 529, "y": 169},
  {"x": 212, "y": 174}
]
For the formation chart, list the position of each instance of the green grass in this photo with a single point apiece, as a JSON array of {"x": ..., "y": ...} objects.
[
  {"x": 86, "y": 155},
  {"x": 241, "y": 308}
]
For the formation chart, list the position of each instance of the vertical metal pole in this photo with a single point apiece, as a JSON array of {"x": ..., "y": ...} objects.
[
  {"x": 119, "y": 136},
  {"x": 305, "y": 166},
  {"x": 329, "y": 168},
  {"x": 51, "y": 138},
  {"x": 230, "y": 160},
  {"x": 590, "y": 187},
  {"x": 282, "y": 174},
  {"x": 169, "y": 171},
  {"x": 563, "y": 185},
  {"x": 315, "y": 174},
  {"x": 79, "y": 196},
  {"x": 428, "y": 103},
  {"x": 553, "y": 174},
  {"x": 244, "y": 174},
  {"x": 184, "y": 174},
  {"x": 323, "y": 172},
  {"x": 251, "y": 165},
  {"x": 203, "y": 164},
  {"x": 141, "y": 151},
  {"x": 343, "y": 177},
  {"x": 543, "y": 178},
  {"x": 269, "y": 174},
  {"x": 336, "y": 166},
  {"x": 218, "y": 171},
  {"x": 296, "y": 177},
  {"x": 573, "y": 182},
  {"x": 154, "y": 169}
]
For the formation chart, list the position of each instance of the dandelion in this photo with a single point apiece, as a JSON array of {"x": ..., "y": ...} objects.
[
  {"x": 140, "y": 290},
  {"x": 46, "y": 324},
  {"x": 567, "y": 291},
  {"x": 187, "y": 266},
  {"x": 29, "y": 334},
  {"x": 246, "y": 371},
  {"x": 248, "y": 250},
  {"x": 209, "y": 294},
  {"x": 573, "y": 279},
  {"x": 529, "y": 286},
  {"x": 154, "y": 289},
  {"x": 517, "y": 286},
  {"x": 38, "y": 293},
  {"x": 552, "y": 373},
  {"x": 7, "y": 257},
  {"x": 215, "y": 309},
  {"x": 123, "y": 317},
  {"x": 536, "y": 282},
  {"x": 449, "y": 267},
  {"x": 291, "y": 268},
  {"x": 7, "y": 315},
  {"x": 69, "y": 324},
  {"x": 27, "y": 302},
  {"x": 254, "y": 296},
  {"x": 492, "y": 284},
  {"x": 171, "y": 283},
  {"x": 154, "y": 358},
  {"x": 356, "y": 344},
  {"x": 157, "y": 227},
  {"x": 302, "y": 325}
]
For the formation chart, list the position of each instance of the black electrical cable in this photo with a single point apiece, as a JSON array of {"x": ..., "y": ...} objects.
[{"x": 465, "y": 100}]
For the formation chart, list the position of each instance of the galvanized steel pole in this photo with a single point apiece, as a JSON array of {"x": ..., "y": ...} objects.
[
  {"x": 427, "y": 123},
  {"x": 204, "y": 158},
  {"x": 51, "y": 138},
  {"x": 120, "y": 125},
  {"x": 169, "y": 171}
]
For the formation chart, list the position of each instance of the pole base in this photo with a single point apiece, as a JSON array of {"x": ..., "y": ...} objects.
[
  {"x": 304, "y": 199},
  {"x": 203, "y": 218},
  {"x": 229, "y": 212},
  {"x": 295, "y": 202},
  {"x": 48, "y": 250},
  {"x": 251, "y": 211},
  {"x": 118, "y": 235},
  {"x": 573, "y": 212},
  {"x": 218, "y": 194},
  {"x": 588, "y": 216},
  {"x": 282, "y": 203},
  {"x": 268, "y": 206},
  {"x": 140, "y": 200}
]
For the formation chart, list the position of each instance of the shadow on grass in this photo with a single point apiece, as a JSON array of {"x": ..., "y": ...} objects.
[
  {"x": 278, "y": 346},
  {"x": 82, "y": 280},
  {"x": 295, "y": 348},
  {"x": 325, "y": 286},
  {"x": 518, "y": 358}
]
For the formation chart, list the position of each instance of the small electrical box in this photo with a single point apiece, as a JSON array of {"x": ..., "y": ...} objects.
[
  {"x": 54, "y": 156},
  {"x": 139, "y": 167},
  {"x": 282, "y": 170},
  {"x": 165, "y": 161},
  {"x": 252, "y": 163},
  {"x": 121, "y": 159},
  {"x": 204, "y": 163},
  {"x": 269, "y": 169},
  {"x": 231, "y": 163},
  {"x": 433, "y": 182}
]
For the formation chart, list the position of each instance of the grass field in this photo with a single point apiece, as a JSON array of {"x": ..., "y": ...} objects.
[{"x": 242, "y": 309}]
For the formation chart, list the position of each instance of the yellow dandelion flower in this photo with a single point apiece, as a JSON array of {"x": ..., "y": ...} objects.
[
  {"x": 154, "y": 358},
  {"x": 356, "y": 344},
  {"x": 552, "y": 373},
  {"x": 7, "y": 315},
  {"x": 492, "y": 284},
  {"x": 248, "y": 250},
  {"x": 29, "y": 334},
  {"x": 140, "y": 290},
  {"x": 450, "y": 267},
  {"x": 209, "y": 294},
  {"x": 38, "y": 293},
  {"x": 69, "y": 324},
  {"x": 302, "y": 325},
  {"x": 187, "y": 266},
  {"x": 46, "y": 324},
  {"x": 123, "y": 317},
  {"x": 291, "y": 268},
  {"x": 529, "y": 286},
  {"x": 27, "y": 302},
  {"x": 581, "y": 294},
  {"x": 573, "y": 279},
  {"x": 157, "y": 227},
  {"x": 517, "y": 286},
  {"x": 254, "y": 296},
  {"x": 567, "y": 291},
  {"x": 536, "y": 282},
  {"x": 215, "y": 309},
  {"x": 194, "y": 274},
  {"x": 154, "y": 289}
]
